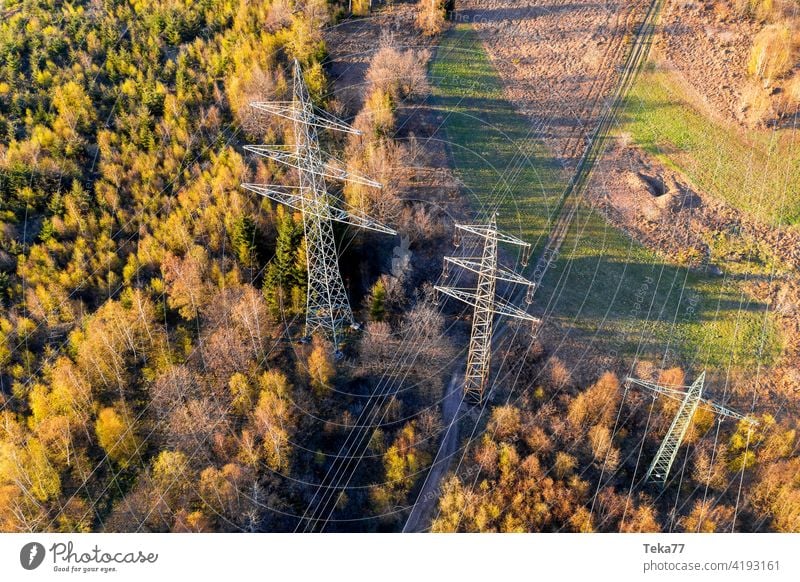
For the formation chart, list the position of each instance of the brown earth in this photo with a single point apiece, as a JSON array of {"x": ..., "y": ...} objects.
[
  {"x": 560, "y": 60},
  {"x": 661, "y": 208},
  {"x": 707, "y": 46}
]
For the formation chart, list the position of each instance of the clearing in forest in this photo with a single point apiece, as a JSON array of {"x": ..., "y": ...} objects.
[{"x": 619, "y": 296}]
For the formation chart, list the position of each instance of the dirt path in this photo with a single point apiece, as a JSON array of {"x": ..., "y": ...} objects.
[{"x": 422, "y": 512}]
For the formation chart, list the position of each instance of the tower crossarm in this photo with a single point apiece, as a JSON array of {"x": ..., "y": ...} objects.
[
  {"x": 723, "y": 411},
  {"x": 319, "y": 118},
  {"x": 293, "y": 197},
  {"x": 490, "y": 231},
  {"x": 675, "y": 393},
  {"x": 327, "y": 305},
  {"x": 326, "y": 166},
  {"x": 669, "y": 391},
  {"x": 501, "y": 307},
  {"x": 474, "y": 265}
]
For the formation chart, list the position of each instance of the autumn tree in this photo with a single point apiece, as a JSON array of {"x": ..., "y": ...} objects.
[
  {"x": 430, "y": 16},
  {"x": 186, "y": 280},
  {"x": 777, "y": 494},
  {"x": 708, "y": 517},
  {"x": 273, "y": 420},
  {"x": 116, "y": 433},
  {"x": 120, "y": 334},
  {"x": 28, "y": 479},
  {"x": 402, "y": 462},
  {"x": 173, "y": 479},
  {"x": 232, "y": 493},
  {"x": 320, "y": 369}
]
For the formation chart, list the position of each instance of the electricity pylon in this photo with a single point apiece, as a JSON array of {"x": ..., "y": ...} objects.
[
  {"x": 485, "y": 300},
  {"x": 327, "y": 305},
  {"x": 691, "y": 399}
]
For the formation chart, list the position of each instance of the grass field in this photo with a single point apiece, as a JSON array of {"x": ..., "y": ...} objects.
[
  {"x": 615, "y": 292},
  {"x": 758, "y": 172},
  {"x": 502, "y": 166}
]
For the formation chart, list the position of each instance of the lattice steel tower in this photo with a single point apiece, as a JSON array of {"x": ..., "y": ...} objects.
[
  {"x": 690, "y": 398},
  {"x": 327, "y": 305},
  {"x": 485, "y": 300}
]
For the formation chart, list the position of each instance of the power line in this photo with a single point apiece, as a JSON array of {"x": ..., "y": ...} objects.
[{"x": 327, "y": 305}]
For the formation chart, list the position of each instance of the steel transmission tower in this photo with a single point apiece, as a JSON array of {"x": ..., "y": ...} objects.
[
  {"x": 485, "y": 300},
  {"x": 327, "y": 305},
  {"x": 690, "y": 398}
]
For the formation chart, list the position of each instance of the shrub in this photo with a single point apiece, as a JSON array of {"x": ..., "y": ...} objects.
[
  {"x": 377, "y": 118},
  {"x": 762, "y": 9},
  {"x": 773, "y": 53},
  {"x": 399, "y": 73},
  {"x": 756, "y": 103},
  {"x": 790, "y": 99},
  {"x": 360, "y": 7},
  {"x": 430, "y": 16}
]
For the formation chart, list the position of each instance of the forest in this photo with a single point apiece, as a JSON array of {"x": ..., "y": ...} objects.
[
  {"x": 150, "y": 380},
  {"x": 145, "y": 295}
]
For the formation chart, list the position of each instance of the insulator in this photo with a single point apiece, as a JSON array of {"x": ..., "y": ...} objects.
[
  {"x": 446, "y": 270},
  {"x": 526, "y": 255},
  {"x": 529, "y": 295},
  {"x": 436, "y": 297},
  {"x": 456, "y": 239}
]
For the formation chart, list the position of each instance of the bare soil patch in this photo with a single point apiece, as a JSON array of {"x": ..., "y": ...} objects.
[
  {"x": 708, "y": 47},
  {"x": 560, "y": 60}
]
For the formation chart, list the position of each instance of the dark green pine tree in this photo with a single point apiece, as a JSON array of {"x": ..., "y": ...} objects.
[
  {"x": 283, "y": 271},
  {"x": 243, "y": 239},
  {"x": 377, "y": 301}
]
